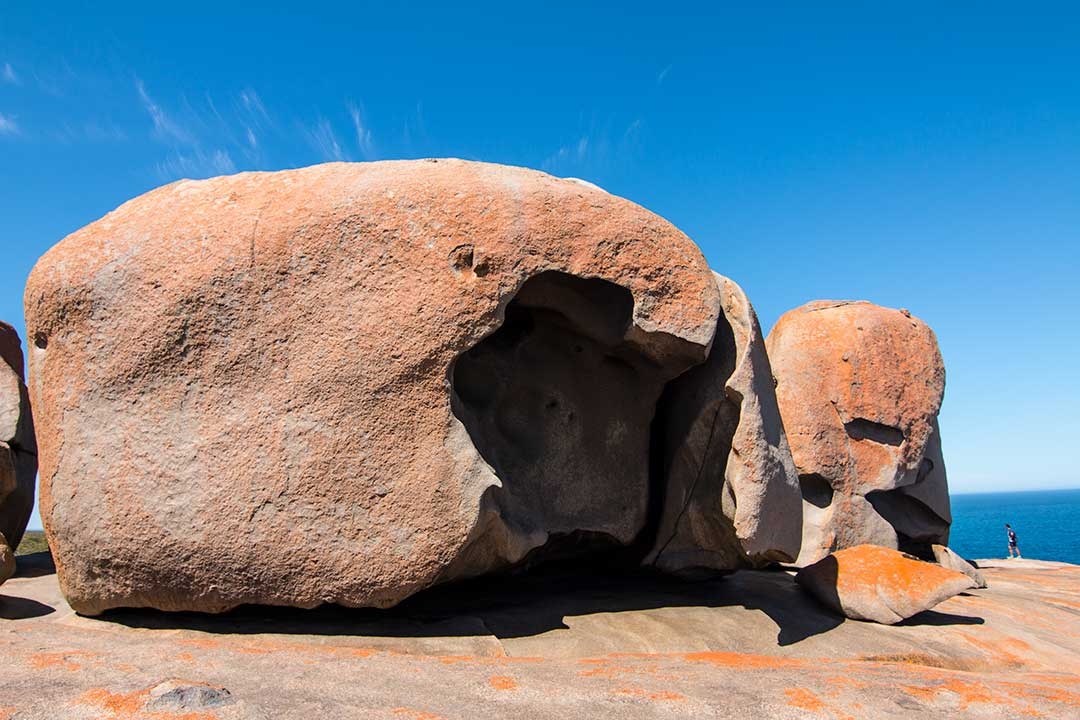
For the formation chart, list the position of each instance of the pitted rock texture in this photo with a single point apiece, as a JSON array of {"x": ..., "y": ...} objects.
[
  {"x": 859, "y": 388},
  {"x": 732, "y": 494},
  {"x": 18, "y": 451},
  {"x": 868, "y": 582},
  {"x": 349, "y": 382}
]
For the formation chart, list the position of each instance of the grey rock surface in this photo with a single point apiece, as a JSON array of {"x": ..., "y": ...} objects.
[
  {"x": 18, "y": 449},
  {"x": 946, "y": 558},
  {"x": 731, "y": 492}
]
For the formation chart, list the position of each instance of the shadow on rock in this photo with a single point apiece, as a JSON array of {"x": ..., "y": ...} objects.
[
  {"x": 933, "y": 617},
  {"x": 17, "y": 608},
  {"x": 34, "y": 564},
  {"x": 517, "y": 606}
]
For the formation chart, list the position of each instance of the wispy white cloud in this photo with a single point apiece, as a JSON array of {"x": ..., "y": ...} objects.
[
  {"x": 253, "y": 103},
  {"x": 663, "y": 74},
  {"x": 8, "y": 126},
  {"x": 196, "y": 164},
  {"x": 363, "y": 134},
  {"x": 325, "y": 141},
  {"x": 252, "y": 141},
  {"x": 165, "y": 128},
  {"x": 574, "y": 153},
  {"x": 8, "y": 74}
]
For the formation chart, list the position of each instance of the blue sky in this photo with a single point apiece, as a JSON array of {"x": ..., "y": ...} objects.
[{"x": 917, "y": 157}]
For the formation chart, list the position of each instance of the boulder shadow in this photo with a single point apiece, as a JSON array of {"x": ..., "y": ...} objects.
[
  {"x": 940, "y": 619},
  {"x": 19, "y": 608},
  {"x": 34, "y": 564},
  {"x": 517, "y": 606}
]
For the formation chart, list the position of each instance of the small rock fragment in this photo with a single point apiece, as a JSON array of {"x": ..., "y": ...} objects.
[
  {"x": 946, "y": 558},
  {"x": 182, "y": 695}
]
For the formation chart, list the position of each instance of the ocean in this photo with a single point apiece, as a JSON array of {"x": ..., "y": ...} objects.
[{"x": 1047, "y": 524}]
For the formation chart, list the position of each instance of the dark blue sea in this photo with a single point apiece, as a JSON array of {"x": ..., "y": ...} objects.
[{"x": 1047, "y": 524}]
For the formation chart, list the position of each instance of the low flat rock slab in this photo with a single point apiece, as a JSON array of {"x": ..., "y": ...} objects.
[
  {"x": 752, "y": 645},
  {"x": 885, "y": 586}
]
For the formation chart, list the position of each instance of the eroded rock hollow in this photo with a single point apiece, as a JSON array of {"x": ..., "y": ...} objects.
[
  {"x": 350, "y": 382},
  {"x": 860, "y": 387}
]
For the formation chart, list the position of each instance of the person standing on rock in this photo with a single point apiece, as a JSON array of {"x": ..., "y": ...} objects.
[{"x": 1013, "y": 548}]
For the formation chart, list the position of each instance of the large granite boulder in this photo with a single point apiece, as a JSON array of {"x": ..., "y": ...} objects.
[
  {"x": 18, "y": 451},
  {"x": 859, "y": 388},
  {"x": 350, "y": 382},
  {"x": 723, "y": 446},
  {"x": 869, "y": 582}
]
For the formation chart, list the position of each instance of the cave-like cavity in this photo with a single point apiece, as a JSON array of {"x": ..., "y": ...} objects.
[{"x": 559, "y": 403}]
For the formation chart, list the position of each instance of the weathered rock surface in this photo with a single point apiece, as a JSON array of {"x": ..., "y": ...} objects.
[
  {"x": 946, "y": 558},
  {"x": 859, "y": 388},
  {"x": 868, "y": 582},
  {"x": 349, "y": 382},
  {"x": 18, "y": 452},
  {"x": 526, "y": 648},
  {"x": 732, "y": 493}
]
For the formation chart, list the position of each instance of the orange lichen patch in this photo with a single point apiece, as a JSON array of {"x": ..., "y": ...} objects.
[
  {"x": 864, "y": 566},
  {"x": 744, "y": 661},
  {"x": 846, "y": 681},
  {"x": 1038, "y": 692},
  {"x": 61, "y": 660},
  {"x": 417, "y": 714},
  {"x": 924, "y": 660},
  {"x": 7, "y": 712},
  {"x": 996, "y": 649},
  {"x": 185, "y": 657},
  {"x": 658, "y": 696},
  {"x": 128, "y": 706},
  {"x": 502, "y": 682},
  {"x": 804, "y": 699},
  {"x": 968, "y": 692}
]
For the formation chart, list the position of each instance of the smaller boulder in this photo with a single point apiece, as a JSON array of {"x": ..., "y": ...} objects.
[
  {"x": 946, "y": 558},
  {"x": 7, "y": 560},
  {"x": 867, "y": 582}
]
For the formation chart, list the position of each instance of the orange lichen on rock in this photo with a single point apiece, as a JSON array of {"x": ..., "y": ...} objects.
[
  {"x": 502, "y": 682},
  {"x": 745, "y": 661},
  {"x": 132, "y": 706},
  {"x": 415, "y": 714},
  {"x": 60, "y": 660},
  {"x": 867, "y": 582},
  {"x": 804, "y": 699},
  {"x": 657, "y": 695}
]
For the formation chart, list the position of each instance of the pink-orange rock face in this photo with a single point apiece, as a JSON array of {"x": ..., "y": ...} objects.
[
  {"x": 859, "y": 388},
  {"x": 349, "y": 382},
  {"x": 868, "y": 582},
  {"x": 18, "y": 452}
]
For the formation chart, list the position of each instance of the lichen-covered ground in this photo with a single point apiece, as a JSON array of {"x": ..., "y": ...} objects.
[{"x": 749, "y": 646}]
